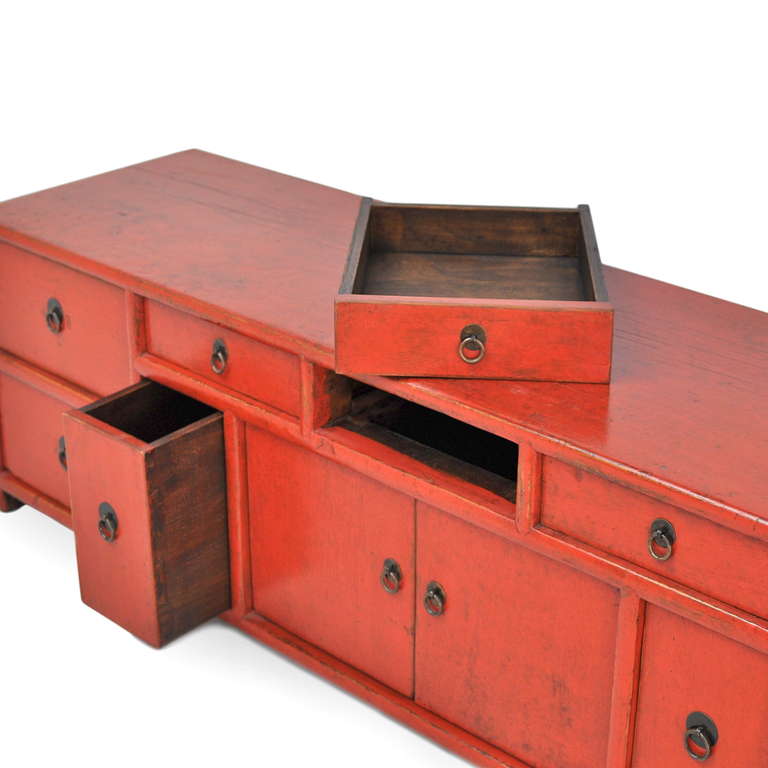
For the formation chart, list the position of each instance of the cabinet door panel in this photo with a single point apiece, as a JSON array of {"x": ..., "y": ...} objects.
[
  {"x": 523, "y": 654},
  {"x": 685, "y": 669},
  {"x": 320, "y": 534}
]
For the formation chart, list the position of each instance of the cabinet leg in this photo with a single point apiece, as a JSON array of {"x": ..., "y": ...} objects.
[{"x": 9, "y": 503}]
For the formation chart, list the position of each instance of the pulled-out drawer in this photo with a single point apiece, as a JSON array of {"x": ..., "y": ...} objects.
[
  {"x": 667, "y": 540},
  {"x": 63, "y": 321},
  {"x": 149, "y": 510},
  {"x": 32, "y": 438},
  {"x": 225, "y": 357}
]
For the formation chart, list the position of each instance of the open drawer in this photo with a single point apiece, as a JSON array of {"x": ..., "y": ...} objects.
[{"x": 149, "y": 511}]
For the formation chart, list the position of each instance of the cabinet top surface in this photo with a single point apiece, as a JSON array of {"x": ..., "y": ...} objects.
[{"x": 265, "y": 253}]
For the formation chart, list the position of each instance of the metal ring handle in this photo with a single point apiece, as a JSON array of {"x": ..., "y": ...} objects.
[
  {"x": 219, "y": 357},
  {"x": 663, "y": 541},
  {"x": 391, "y": 576},
  {"x": 691, "y": 736},
  {"x": 54, "y": 316},
  {"x": 107, "y": 522},
  {"x": 434, "y": 599},
  {"x": 464, "y": 343}
]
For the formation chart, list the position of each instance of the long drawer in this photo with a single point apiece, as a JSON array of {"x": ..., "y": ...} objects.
[
  {"x": 32, "y": 438},
  {"x": 225, "y": 357},
  {"x": 61, "y": 320},
  {"x": 659, "y": 537}
]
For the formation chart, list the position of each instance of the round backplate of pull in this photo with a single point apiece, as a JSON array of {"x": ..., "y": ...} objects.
[
  {"x": 219, "y": 357},
  {"x": 391, "y": 576},
  {"x": 661, "y": 539},
  {"x": 472, "y": 343},
  {"x": 62, "y": 452},
  {"x": 107, "y": 522},
  {"x": 54, "y": 316},
  {"x": 434, "y": 599},
  {"x": 701, "y": 735}
]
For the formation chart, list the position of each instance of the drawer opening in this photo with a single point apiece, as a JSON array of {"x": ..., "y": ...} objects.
[
  {"x": 437, "y": 440},
  {"x": 150, "y": 411}
]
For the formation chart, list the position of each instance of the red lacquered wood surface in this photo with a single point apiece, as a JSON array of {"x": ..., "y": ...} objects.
[
  {"x": 264, "y": 373},
  {"x": 264, "y": 253},
  {"x": 320, "y": 534},
  {"x": 116, "y": 578},
  {"x": 494, "y": 663},
  {"x": 31, "y": 429},
  {"x": 91, "y": 348},
  {"x": 214, "y": 234},
  {"x": 396, "y": 336},
  {"x": 618, "y": 520},
  {"x": 687, "y": 668}
]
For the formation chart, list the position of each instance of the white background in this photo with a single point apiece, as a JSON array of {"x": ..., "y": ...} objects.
[{"x": 653, "y": 113}]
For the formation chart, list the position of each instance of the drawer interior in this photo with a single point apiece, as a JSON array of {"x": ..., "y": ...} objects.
[
  {"x": 150, "y": 411},
  {"x": 433, "y": 438},
  {"x": 474, "y": 253}
]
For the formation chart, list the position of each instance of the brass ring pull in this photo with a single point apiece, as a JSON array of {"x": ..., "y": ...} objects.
[
  {"x": 434, "y": 599},
  {"x": 54, "y": 316},
  {"x": 697, "y": 743},
  {"x": 219, "y": 357},
  {"x": 107, "y": 522},
  {"x": 701, "y": 735},
  {"x": 661, "y": 539},
  {"x": 391, "y": 576},
  {"x": 472, "y": 342}
]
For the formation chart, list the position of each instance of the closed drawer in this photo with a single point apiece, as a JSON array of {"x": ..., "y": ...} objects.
[
  {"x": 32, "y": 434},
  {"x": 248, "y": 366},
  {"x": 147, "y": 476},
  {"x": 64, "y": 321},
  {"x": 703, "y": 555}
]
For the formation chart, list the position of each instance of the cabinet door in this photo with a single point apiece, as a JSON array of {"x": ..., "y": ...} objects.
[
  {"x": 688, "y": 669},
  {"x": 522, "y": 654},
  {"x": 320, "y": 535}
]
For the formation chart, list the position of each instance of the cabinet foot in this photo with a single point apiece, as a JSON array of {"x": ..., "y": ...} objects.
[{"x": 9, "y": 503}]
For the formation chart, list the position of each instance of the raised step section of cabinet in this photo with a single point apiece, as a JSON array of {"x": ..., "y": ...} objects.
[
  {"x": 224, "y": 357},
  {"x": 148, "y": 482},
  {"x": 664, "y": 539},
  {"x": 63, "y": 321}
]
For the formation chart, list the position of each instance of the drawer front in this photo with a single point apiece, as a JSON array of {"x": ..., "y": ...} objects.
[
  {"x": 264, "y": 373},
  {"x": 705, "y": 556},
  {"x": 32, "y": 430},
  {"x": 63, "y": 321},
  {"x": 149, "y": 510},
  {"x": 689, "y": 671}
]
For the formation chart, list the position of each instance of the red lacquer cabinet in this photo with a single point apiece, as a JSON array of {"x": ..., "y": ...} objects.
[{"x": 534, "y": 574}]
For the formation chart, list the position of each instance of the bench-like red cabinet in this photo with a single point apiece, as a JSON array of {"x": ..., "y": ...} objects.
[{"x": 535, "y": 574}]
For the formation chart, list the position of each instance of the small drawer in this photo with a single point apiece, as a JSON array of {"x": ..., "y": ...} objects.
[
  {"x": 63, "y": 321},
  {"x": 149, "y": 510},
  {"x": 225, "y": 357},
  {"x": 667, "y": 540},
  {"x": 32, "y": 435}
]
